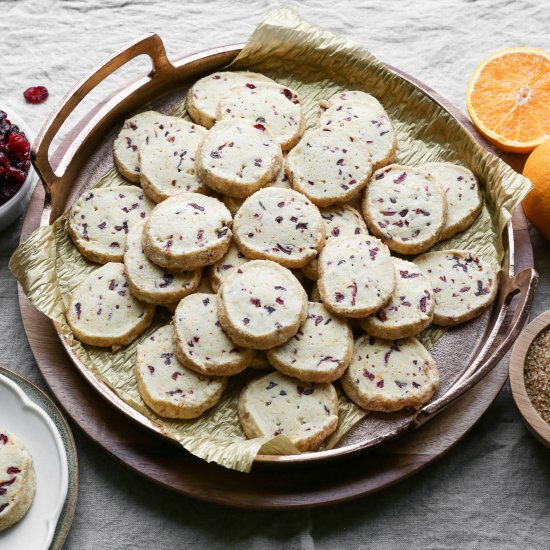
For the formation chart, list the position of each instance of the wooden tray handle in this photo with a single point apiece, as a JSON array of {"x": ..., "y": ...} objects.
[
  {"x": 149, "y": 44},
  {"x": 524, "y": 284}
]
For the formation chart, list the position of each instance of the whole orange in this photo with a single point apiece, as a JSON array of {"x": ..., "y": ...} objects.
[{"x": 537, "y": 203}]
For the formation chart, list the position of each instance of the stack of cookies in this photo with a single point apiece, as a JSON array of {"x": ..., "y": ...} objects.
[{"x": 242, "y": 213}]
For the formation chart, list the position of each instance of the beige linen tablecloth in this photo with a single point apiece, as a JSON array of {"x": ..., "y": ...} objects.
[{"x": 493, "y": 489}]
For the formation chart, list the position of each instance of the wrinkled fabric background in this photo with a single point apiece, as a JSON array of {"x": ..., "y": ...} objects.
[{"x": 490, "y": 491}]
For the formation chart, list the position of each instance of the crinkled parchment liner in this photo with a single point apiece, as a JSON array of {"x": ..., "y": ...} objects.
[{"x": 317, "y": 64}]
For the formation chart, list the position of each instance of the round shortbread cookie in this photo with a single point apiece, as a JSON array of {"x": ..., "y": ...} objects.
[
  {"x": 463, "y": 196},
  {"x": 270, "y": 104},
  {"x": 282, "y": 180},
  {"x": 166, "y": 386},
  {"x": 102, "y": 311},
  {"x": 261, "y": 305},
  {"x": 406, "y": 207},
  {"x": 341, "y": 220},
  {"x": 319, "y": 352},
  {"x": 356, "y": 275},
  {"x": 349, "y": 95},
  {"x": 135, "y": 131},
  {"x": 410, "y": 309},
  {"x": 224, "y": 267},
  {"x": 463, "y": 284},
  {"x": 390, "y": 375},
  {"x": 203, "y": 97},
  {"x": 167, "y": 160},
  {"x": 238, "y": 157},
  {"x": 200, "y": 342},
  {"x": 367, "y": 121},
  {"x": 101, "y": 218},
  {"x": 17, "y": 480},
  {"x": 279, "y": 405},
  {"x": 280, "y": 225},
  {"x": 148, "y": 281},
  {"x": 329, "y": 166},
  {"x": 187, "y": 231}
]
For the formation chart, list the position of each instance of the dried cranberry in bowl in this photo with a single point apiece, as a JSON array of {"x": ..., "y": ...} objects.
[{"x": 14, "y": 158}]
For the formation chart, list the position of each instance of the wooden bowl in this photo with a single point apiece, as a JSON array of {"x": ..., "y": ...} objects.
[{"x": 538, "y": 427}]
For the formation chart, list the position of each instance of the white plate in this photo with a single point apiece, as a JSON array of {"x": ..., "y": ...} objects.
[{"x": 18, "y": 414}]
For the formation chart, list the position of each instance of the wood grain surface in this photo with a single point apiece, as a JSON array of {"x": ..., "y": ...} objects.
[{"x": 268, "y": 487}]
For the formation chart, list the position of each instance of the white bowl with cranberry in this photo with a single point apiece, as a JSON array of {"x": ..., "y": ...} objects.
[{"x": 17, "y": 177}]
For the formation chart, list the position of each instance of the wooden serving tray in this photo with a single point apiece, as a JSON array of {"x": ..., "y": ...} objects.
[{"x": 269, "y": 485}]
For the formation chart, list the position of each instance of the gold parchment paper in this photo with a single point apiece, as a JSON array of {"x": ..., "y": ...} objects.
[{"x": 316, "y": 63}]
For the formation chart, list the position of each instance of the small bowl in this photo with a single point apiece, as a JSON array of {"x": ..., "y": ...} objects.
[
  {"x": 538, "y": 427},
  {"x": 12, "y": 209}
]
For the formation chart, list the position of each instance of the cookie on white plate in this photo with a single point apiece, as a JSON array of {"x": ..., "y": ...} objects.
[
  {"x": 349, "y": 95},
  {"x": 390, "y": 375},
  {"x": 367, "y": 121},
  {"x": 100, "y": 220},
  {"x": 187, "y": 232},
  {"x": 166, "y": 386},
  {"x": 102, "y": 312},
  {"x": 410, "y": 309},
  {"x": 329, "y": 166},
  {"x": 341, "y": 220},
  {"x": 275, "y": 106},
  {"x": 280, "y": 225},
  {"x": 17, "y": 480},
  {"x": 135, "y": 131},
  {"x": 237, "y": 157},
  {"x": 233, "y": 203},
  {"x": 464, "y": 285},
  {"x": 261, "y": 305},
  {"x": 151, "y": 283},
  {"x": 219, "y": 271},
  {"x": 463, "y": 196},
  {"x": 276, "y": 404},
  {"x": 319, "y": 352},
  {"x": 203, "y": 97},
  {"x": 167, "y": 160},
  {"x": 201, "y": 344},
  {"x": 356, "y": 275},
  {"x": 406, "y": 207}
]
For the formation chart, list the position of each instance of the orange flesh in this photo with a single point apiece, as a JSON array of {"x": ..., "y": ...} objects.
[{"x": 511, "y": 96}]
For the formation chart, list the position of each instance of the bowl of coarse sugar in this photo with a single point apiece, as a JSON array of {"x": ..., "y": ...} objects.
[{"x": 530, "y": 376}]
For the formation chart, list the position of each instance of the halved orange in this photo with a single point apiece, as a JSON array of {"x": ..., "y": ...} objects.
[{"x": 508, "y": 98}]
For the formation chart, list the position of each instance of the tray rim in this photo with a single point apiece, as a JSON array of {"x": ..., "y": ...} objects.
[{"x": 107, "y": 393}]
